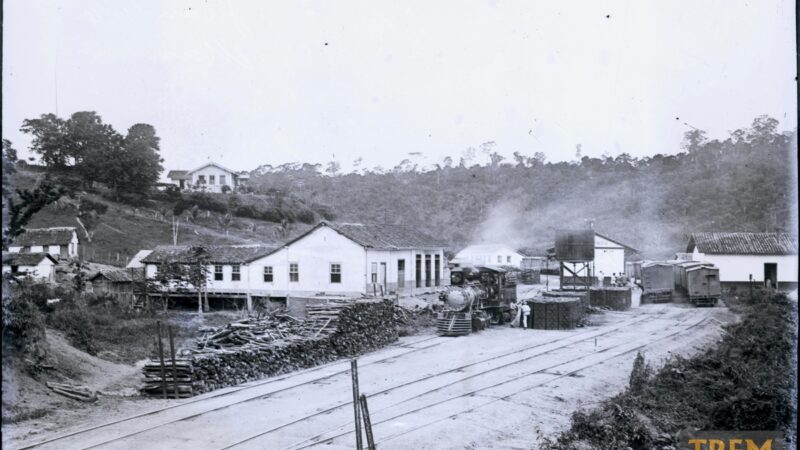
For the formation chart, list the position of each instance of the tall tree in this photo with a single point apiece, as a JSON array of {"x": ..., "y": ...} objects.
[{"x": 9, "y": 165}]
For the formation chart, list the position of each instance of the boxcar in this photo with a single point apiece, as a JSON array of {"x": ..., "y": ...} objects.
[
  {"x": 699, "y": 282},
  {"x": 658, "y": 281}
]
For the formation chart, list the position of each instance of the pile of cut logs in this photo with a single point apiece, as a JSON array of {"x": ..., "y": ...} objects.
[
  {"x": 170, "y": 380},
  {"x": 257, "y": 331},
  {"x": 277, "y": 343}
]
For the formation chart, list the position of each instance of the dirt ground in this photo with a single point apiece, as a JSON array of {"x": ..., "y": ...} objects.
[{"x": 503, "y": 388}]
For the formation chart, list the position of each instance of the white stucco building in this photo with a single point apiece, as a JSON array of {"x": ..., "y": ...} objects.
[
  {"x": 39, "y": 266},
  {"x": 58, "y": 242},
  {"x": 210, "y": 176},
  {"x": 764, "y": 256},
  {"x": 489, "y": 255},
  {"x": 329, "y": 260}
]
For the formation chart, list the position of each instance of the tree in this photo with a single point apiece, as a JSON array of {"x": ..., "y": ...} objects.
[
  {"x": 333, "y": 168},
  {"x": 197, "y": 272},
  {"x": 93, "y": 146},
  {"x": 29, "y": 203},
  {"x": 693, "y": 140},
  {"x": 9, "y": 164},
  {"x": 49, "y": 137},
  {"x": 225, "y": 221}
]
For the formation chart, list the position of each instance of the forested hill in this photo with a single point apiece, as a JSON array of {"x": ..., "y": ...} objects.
[{"x": 743, "y": 183}]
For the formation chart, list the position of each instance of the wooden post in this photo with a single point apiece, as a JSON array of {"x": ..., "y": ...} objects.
[
  {"x": 174, "y": 364},
  {"x": 356, "y": 412},
  {"x": 367, "y": 422},
  {"x": 161, "y": 357}
]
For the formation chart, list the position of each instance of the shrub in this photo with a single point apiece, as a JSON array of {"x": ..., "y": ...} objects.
[{"x": 23, "y": 327}]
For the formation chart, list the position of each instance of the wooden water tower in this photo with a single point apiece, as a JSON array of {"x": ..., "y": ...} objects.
[{"x": 575, "y": 254}]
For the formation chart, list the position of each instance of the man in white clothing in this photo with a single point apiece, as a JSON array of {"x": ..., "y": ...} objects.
[{"x": 526, "y": 312}]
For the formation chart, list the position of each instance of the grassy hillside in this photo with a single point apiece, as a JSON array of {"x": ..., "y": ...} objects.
[{"x": 124, "y": 229}]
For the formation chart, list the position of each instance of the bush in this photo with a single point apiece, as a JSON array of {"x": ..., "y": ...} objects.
[{"x": 23, "y": 327}]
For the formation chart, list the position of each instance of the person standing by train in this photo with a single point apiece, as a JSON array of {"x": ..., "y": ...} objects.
[
  {"x": 517, "y": 311},
  {"x": 526, "y": 312}
]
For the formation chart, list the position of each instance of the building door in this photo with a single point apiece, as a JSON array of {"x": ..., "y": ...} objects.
[
  {"x": 401, "y": 273},
  {"x": 383, "y": 276},
  {"x": 771, "y": 274}
]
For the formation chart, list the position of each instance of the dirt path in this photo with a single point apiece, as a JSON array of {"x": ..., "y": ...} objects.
[{"x": 496, "y": 389}]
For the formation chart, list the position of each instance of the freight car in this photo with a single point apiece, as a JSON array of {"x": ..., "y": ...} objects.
[
  {"x": 658, "y": 281},
  {"x": 699, "y": 282},
  {"x": 477, "y": 296}
]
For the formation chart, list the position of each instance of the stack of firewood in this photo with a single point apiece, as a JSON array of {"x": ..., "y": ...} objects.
[{"x": 159, "y": 380}]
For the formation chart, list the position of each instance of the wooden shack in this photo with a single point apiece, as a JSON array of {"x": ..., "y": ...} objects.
[{"x": 116, "y": 282}]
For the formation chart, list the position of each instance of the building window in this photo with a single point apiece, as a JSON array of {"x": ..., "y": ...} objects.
[
  {"x": 222, "y": 180},
  {"x": 427, "y": 270},
  {"x": 201, "y": 179},
  {"x": 437, "y": 267},
  {"x": 235, "y": 273},
  {"x": 418, "y": 270},
  {"x": 336, "y": 273},
  {"x": 499, "y": 259},
  {"x": 211, "y": 179},
  {"x": 374, "y": 272},
  {"x": 218, "y": 273},
  {"x": 508, "y": 259},
  {"x": 294, "y": 272},
  {"x": 267, "y": 274}
]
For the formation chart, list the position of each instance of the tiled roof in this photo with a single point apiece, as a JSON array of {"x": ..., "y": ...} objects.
[
  {"x": 45, "y": 236},
  {"x": 115, "y": 276},
  {"x": 744, "y": 243},
  {"x": 25, "y": 259},
  {"x": 219, "y": 254},
  {"x": 386, "y": 237}
]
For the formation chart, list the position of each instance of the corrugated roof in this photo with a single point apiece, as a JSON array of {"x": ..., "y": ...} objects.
[
  {"x": 385, "y": 237},
  {"x": 219, "y": 254},
  {"x": 744, "y": 243},
  {"x": 25, "y": 259},
  {"x": 45, "y": 236}
]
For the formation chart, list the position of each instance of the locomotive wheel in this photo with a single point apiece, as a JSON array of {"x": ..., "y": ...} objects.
[{"x": 497, "y": 318}]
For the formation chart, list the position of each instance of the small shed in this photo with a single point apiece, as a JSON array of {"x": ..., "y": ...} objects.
[
  {"x": 59, "y": 242},
  {"x": 118, "y": 283}
]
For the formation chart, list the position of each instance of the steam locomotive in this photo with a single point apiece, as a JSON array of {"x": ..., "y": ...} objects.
[{"x": 477, "y": 296}]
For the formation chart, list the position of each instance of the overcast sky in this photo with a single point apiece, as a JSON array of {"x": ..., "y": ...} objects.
[{"x": 250, "y": 83}]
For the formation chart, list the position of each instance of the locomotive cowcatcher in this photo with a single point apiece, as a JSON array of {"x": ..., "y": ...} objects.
[{"x": 477, "y": 296}]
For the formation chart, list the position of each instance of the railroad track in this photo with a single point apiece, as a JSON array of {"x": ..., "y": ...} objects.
[
  {"x": 325, "y": 440},
  {"x": 229, "y": 392},
  {"x": 527, "y": 387},
  {"x": 347, "y": 371},
  {"x": 437, "y": 341},
  {"x": 516, "y": 351}
]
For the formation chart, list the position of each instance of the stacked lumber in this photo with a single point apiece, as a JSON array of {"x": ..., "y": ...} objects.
[
  {"x": 555, "y": 313},
  {"x": 614, "y": 298},
  {"x": 155, "y": 384},
  {"x": 80, "y": 393},
  {"x": 325, "y": 317}
]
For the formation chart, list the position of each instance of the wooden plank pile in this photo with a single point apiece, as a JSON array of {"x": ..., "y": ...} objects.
[
  {"x": 613, "y": 298},
  {"x": 80, "y": 393},
  {"x": 555, "y": 313},
  {"x": 257, "y": 331},
  {"x": 177, "y": 381}
]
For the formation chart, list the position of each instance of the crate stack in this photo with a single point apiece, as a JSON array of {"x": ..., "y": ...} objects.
[{"x": 157, "y": 385}]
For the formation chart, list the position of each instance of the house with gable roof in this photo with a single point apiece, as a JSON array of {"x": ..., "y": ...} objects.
[
  {"x": 58, "y": 242},
  {"x": 211, "y": 177}
]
